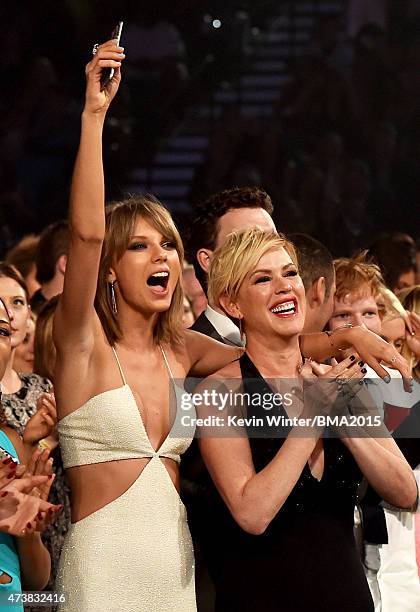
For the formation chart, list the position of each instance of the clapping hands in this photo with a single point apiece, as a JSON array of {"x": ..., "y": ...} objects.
[
  {"x": 23, "y": 497},
  {"x": 43, "y": 423}
]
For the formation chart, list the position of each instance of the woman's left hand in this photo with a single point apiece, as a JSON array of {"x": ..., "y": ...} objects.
[
  {"x": 374, "y": 351},
  {"x": 43, "y": 422}
]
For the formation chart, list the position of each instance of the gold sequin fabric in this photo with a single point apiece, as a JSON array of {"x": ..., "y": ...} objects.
[{"x": 135, "y": 553}]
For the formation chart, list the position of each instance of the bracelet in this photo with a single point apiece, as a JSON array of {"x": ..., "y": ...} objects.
[{"x": 331, "y": 332}]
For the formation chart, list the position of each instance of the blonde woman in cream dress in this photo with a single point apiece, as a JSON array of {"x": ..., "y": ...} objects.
[{"x": 120, "y": 347}]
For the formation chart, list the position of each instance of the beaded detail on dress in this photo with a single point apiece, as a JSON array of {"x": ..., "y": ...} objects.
[
  {"x": 134, "y": 553},
  {"x": 109, "y": 427}
]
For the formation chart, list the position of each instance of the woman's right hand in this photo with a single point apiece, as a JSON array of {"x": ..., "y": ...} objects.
[
  {"x": 328, "y": 389},
  {"x": 108, "y": 55}
]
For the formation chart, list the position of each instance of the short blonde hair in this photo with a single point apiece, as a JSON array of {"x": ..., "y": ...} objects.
[
  {"x": 353, "y": 274},
  {"x": 237, "y": 256},
  {"x": 120, "y": 220}
]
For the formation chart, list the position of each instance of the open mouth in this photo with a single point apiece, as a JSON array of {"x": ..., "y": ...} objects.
[
  {"x": 158, "y": 282},
  {"x": 285, "y": 309}
]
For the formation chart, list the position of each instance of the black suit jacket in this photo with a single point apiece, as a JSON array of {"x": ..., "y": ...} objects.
[
  {"x": 203, "y": 325},
  {"x": 200, "y": 496}
]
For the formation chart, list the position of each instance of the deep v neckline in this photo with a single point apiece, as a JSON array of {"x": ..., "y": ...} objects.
[
  {"x": 157, "y": 451},
  {"x": 143, "y": 427},
  {"x": 250, "y": 370}
]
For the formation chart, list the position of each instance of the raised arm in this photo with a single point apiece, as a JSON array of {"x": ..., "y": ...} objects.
[
  {"x": 206, "y": 355},
  {"x": 74, "y": 318}
]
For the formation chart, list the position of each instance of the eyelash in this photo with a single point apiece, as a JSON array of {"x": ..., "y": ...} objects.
[
  {"x": 265, "y": 279},
  {"x": 136, "y": 245}
]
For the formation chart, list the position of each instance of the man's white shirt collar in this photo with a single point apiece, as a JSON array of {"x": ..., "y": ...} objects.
[{"x": 224, "y": 326}]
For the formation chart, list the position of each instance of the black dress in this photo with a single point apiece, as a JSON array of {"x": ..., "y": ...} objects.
[{"x": 307, "y": 559}]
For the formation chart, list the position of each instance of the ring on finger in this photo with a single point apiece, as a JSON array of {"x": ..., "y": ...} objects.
[
  {"x": 95, "y": 48},
  {"x": 393, "y": 359}
]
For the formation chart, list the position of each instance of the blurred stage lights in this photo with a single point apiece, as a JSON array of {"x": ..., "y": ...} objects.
[{"x": 216, "y": 23}]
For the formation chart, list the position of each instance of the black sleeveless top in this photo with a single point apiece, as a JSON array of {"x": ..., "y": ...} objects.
[{"x": 306, "y": 560}]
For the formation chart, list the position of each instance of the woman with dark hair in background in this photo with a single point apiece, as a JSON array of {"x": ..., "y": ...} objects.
[
  {"x": 22, "y": 393},
  {"x": 23, "y": 556},
  {"x": 26, "y": 395}
]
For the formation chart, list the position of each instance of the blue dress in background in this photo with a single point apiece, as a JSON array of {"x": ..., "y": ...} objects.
[{"x": 9, "y": 559}]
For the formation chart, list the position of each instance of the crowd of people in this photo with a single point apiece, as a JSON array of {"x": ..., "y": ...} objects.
[{"x": 111, "y": 499}]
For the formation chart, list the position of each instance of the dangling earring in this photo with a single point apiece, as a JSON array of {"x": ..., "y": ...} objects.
[
  {"x": 242, "y": 333},
  {"x": 113, "y": 299}
]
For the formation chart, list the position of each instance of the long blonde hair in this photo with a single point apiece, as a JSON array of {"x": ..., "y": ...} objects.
[{"x": 121, "y": 218}]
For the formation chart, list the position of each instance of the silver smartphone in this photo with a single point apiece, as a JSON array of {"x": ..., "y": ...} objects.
[{"x": 108, "y": 73}]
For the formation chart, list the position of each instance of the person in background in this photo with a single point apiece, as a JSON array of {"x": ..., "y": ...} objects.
[
  {"x": 22, "y": 256},
  {"x": 193, "y": 290},
  {"x": 45, "y": 357},
  {"x": 188, "y": 314},
  {"x": 410, "y": 299},
  {"x": 24, "y": 354},
  {"x": 396, "y": 257},
  {"x": 418, "y": 262},
  {"x": 44, "y": 349},
  {"x": 221, "y": 214},
  {"x": 24, "y": 560},
  {"x": 23, "y": 394},
  {"x": 26, "y": 395},
  {"x": 50, "y": 259},
  {"x": 362, "y": 299},
  {"x": 316, "y": 268}
]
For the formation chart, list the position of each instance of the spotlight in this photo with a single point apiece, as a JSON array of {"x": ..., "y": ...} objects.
[{"x": 217, "y": 24}]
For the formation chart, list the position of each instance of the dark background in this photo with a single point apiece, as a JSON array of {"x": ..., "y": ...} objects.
[{"x": 282, "y": 95}]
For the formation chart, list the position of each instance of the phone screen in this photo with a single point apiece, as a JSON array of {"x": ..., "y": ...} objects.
[{"x": 108, "y": 73}]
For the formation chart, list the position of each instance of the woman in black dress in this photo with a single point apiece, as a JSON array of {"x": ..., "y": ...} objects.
[{"x": 288, "y": 543}]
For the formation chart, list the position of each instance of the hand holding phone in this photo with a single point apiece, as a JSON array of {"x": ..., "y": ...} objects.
[{"x": 108, "y": 73}]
